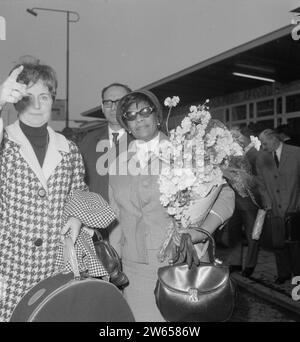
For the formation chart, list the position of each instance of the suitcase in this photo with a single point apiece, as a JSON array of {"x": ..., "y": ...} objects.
[
  {"x": 61, "y": 298},
  {"x": 67, "y": 297}
]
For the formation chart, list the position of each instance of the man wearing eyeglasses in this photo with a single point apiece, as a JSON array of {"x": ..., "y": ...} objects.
[{"x": 96, "y": 146}]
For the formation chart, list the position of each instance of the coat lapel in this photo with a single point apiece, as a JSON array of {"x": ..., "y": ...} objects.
[
  {"x": 283, "y": 157},
  {"x": 15, "y": 134},
  {"x": 52, "y": 159}
]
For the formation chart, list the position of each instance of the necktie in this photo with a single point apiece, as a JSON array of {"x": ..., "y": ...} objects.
[
  {"x": 116, "y": 145},
  {"x": 115, "y": 138},
  {"x": 276, "y": 159}
]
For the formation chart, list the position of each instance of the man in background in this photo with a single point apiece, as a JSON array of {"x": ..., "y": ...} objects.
[
  {"x": 278, "y": 173},
  {"x": 96, "y": 146}
]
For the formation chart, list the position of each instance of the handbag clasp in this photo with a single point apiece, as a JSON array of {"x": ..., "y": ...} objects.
[{"x": 193, "y": 295}]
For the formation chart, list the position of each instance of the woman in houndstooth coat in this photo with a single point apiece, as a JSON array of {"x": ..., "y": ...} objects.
[{"x": 42, "y": 192}]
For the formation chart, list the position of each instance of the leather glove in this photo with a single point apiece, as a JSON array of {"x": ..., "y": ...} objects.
[{"x": 187, "y": 251}]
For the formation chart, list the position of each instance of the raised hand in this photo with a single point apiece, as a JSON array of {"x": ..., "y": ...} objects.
[{"x": 11, "y": 91}]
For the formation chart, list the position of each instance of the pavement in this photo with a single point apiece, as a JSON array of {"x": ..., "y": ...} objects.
[{"x": 261, "y": 282}]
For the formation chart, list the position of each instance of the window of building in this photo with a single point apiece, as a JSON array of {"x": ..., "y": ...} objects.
[
  {"x": 251, "y": 110},
  {"x": 265, "y": 108},
  {"x": 239, "y": 112},
  {"x": 279, "y": 105},
  {"x": 292, "y": 103},
  {"x": 227, "y": 118}
]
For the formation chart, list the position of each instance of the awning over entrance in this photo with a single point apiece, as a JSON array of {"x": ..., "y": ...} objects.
[{"x": 274, "y": 56}]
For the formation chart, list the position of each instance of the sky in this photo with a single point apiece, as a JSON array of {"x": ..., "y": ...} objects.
[{"x": 136, "y": 42}]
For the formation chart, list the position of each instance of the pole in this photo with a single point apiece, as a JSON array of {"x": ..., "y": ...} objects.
[
  {"x": 67, "y": 77},
  {"x": 69, "y": 20}
]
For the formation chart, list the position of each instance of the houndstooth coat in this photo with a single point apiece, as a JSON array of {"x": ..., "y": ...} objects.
[{"x": 34, "y": 205}]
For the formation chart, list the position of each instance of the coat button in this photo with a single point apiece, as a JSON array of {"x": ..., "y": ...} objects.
[
  {"x": 277, "y": 191},
  {"x": 279, "y": 206},
  {"x": 42, "y": 192},
  {"x": 38, "y": 242}
]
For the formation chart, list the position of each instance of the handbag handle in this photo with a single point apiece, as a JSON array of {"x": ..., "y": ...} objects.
[
  {"x": 98, "y": 234},
  {"x": 70, "y": 256},
  {"x": 212, "y": 255}
]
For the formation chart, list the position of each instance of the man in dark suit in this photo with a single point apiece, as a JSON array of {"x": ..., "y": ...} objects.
[
  {"x": 278, "y": 169},
  {"x": 100, "y": 145}
]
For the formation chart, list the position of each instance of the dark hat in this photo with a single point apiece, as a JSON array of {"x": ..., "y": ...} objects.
[{"x": 148, "y": 94}]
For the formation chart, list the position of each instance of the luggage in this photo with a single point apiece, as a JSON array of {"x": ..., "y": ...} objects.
[
  {"x": 65, "y": 298},
  {"x": 111, "y": 261},
  {"x": 61, "y": 298}
]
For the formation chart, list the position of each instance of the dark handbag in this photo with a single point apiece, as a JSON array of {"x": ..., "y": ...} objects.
[
  {"x": 111, "y": 261},
  {"x": 292, "y": 226},
  {"x": 273, "y": 232},
  {"x": 201, "y": 294}
]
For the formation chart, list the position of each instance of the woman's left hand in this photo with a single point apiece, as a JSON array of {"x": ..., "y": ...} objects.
[
  {"x": 74, "y": 225},
  {"x": 187, "y": 251}
]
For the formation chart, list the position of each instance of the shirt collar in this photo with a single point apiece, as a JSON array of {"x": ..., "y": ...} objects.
[
  {"x": 15, "y": 134},
  {"x": 151, "y": 145},
  {"x": 279, "y": 150},
  {"x": 121, "y": 131}
]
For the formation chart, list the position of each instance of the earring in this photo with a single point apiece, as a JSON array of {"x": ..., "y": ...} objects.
[{"x": 158, "y": 124}]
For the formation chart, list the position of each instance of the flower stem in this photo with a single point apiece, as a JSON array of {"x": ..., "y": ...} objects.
[{"x": 167, "y": 121}]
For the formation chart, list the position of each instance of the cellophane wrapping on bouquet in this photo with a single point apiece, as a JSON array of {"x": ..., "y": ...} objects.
[
  {"x": 258, "y": 224},
  {"x": 195, "y": 158}
]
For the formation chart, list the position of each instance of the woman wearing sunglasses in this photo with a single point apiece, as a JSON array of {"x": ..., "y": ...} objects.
[{"x": 143, "y": 221}]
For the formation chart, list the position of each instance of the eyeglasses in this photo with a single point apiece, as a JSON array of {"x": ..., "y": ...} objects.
[
  {"x": 109, "y": 103},
  {"x": 144, "y": 113}
]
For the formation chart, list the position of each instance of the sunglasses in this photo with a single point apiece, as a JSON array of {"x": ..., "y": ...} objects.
[{"x": 144, "y": 113}]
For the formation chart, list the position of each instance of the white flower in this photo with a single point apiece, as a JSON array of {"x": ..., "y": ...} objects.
[
  {"x": 255, "y": 141},
  {"x": 171, "y": 102},
  {"x": 193, "y": 109},
  {"x": 186, "y": 124},
  {"x": 168, "y": 102}
]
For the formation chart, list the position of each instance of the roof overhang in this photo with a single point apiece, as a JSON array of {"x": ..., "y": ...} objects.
[{"x": 274, "y": 56}]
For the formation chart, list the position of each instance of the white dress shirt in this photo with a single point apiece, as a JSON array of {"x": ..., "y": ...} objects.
[{"x": 279, "y": 151}]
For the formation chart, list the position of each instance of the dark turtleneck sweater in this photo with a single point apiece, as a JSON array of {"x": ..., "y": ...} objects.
[{"x": 38, "y": 138}]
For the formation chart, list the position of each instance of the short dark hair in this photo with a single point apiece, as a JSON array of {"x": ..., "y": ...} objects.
[
  {"x": 32, "y": 73},
  {"x": 115, "y": 84}
]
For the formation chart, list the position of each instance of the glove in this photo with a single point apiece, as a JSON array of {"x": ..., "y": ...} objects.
[{"x": 187, "y": 251}]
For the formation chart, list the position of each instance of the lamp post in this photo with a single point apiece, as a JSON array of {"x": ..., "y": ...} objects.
[{"x": 69, "y": 20}]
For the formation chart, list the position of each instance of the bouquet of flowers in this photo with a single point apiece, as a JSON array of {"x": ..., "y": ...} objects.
[{"x": 199, "y": 154}]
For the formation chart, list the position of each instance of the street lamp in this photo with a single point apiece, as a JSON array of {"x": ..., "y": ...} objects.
[{"x": 69, "y": 20}]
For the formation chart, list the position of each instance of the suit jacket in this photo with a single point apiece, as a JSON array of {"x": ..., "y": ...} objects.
[
  {"x": 97, "y": 156},
  {"x": 143, "y": 220},
  {"x": 280, "y": 187}
]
